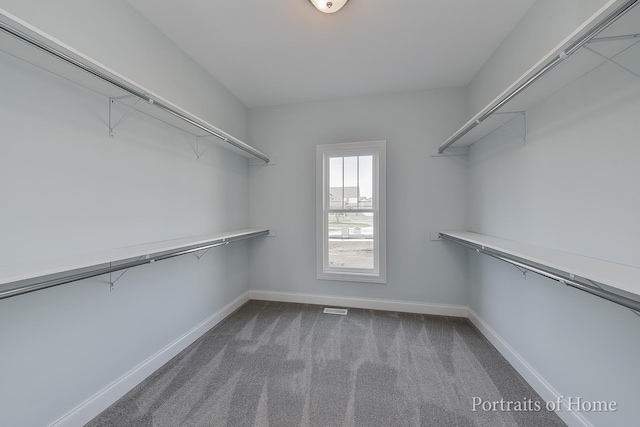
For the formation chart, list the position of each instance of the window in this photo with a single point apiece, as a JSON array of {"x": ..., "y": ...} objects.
[{"x": 351, "y": 232}]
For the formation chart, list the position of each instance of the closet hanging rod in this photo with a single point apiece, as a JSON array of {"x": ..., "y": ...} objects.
[
  {"x": 597, "y": 29},
  {"x": 133, "y": 91},
  {"x": 93, "y": 272},
  {"x": 593, "y": 290},
  {"x": 609, "y": 296}
]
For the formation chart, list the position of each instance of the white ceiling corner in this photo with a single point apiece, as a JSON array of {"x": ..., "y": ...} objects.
[{"x": 285, "y": 51}]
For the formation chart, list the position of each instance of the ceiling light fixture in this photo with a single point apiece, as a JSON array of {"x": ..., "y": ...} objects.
[{"x": 327, "y": 6}]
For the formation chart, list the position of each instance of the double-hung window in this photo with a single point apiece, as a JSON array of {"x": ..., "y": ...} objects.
[{"x": 351, "y": 232}]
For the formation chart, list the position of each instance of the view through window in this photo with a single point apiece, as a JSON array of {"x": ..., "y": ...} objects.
[
  {"x": 351, "y": 211},
  {"x": 350, "y": 219}
]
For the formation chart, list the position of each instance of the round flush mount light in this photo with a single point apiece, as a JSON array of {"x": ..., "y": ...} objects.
[{"x": 328, "y": 6}]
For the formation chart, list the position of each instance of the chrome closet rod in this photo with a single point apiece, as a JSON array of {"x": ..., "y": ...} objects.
[
  {"x": 542, "y": 71},
  {"x": 74, "y": 62},
  {"x": 602, "y": 293},
  {"x": 610, "y": 296},
  {"x": 44, "y": 284}
]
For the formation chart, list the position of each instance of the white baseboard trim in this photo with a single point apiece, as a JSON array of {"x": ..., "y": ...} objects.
[
  {"x": 367, "y": 303},
  {"x": 97, "y": 403},
  {"x": 539, "y": 384}
]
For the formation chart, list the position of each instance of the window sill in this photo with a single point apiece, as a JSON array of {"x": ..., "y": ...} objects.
[{"x": 353, "y": 277}]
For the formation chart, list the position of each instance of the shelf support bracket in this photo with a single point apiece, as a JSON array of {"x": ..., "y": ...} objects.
[
  {"x": 113, "y": 281},
  {"x": 611, "y": 61},
  {"x": 197, "y": 149},
  {"x": 112, "y": 101},
  {"x": 203, "y": 253},
  {"x": 522, "y": 114},
  {"x": 524, "y": 273},
  {"x": 520, "y": 269}
]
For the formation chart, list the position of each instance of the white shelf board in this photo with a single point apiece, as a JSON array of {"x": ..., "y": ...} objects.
[
  {"x": 16, "y": 273},
  {"x": 619, "y": 276},
  {"x": 567, "y": 71},
  {"x": 51, "y": 63}
]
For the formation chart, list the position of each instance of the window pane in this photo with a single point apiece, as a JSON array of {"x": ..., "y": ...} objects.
[
  {"x": 350, "y": 182},
  {"x": 365, "y": 182},
  {"x": 351, "y": 240},
  {"x": 336, "y": 193}
]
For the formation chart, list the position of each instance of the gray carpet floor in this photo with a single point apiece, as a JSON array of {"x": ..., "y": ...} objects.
[{"x": 282, "y": 364}]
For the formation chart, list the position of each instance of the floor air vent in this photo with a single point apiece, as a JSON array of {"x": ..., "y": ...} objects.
[{"x": 342, "y": 311}]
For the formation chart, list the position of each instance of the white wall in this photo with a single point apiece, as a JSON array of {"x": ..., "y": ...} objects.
[
  {"x": 572, "y": 187},
  {"x": 67, "y": 188},
  {"x": 423, "y": 193}
]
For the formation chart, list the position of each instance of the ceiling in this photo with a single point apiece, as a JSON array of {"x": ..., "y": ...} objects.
[{"x": 285, "y": 51}]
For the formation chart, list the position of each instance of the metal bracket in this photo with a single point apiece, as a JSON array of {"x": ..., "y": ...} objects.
[
  {"x": 617, "y": 64},
  {"x": 197, "y": 150},
  {"x": 112, "y": 282},
  {"x": 203, "y": 253},
  {"x": 522, "y": 114},
  {"x": 520, "y": 269},
  {"x": 112, "y": 101},
  {"x": 524, "y": 273}
]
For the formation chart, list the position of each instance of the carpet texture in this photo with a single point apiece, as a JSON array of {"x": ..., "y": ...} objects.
[{"x": 282, "y": 364}]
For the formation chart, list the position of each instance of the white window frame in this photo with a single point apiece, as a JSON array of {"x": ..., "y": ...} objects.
[{"x": 323, "y": 152}]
